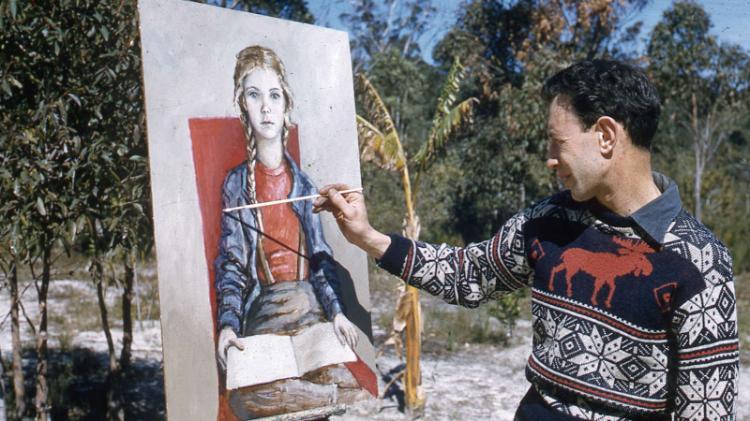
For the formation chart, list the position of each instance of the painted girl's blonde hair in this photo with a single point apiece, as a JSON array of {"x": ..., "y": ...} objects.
[{"x": 249, "y": 59}]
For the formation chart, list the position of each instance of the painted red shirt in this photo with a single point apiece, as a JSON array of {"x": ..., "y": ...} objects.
[{"x": 279, "y": 221}]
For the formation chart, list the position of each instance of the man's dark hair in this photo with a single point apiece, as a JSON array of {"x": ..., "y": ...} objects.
[{"x": 597, "y": 88}]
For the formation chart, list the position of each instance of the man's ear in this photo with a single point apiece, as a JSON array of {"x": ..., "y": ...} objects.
[{"x": 608, "y": 132}]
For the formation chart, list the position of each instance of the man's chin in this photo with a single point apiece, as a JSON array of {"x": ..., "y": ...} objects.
[{"x": 580, "y": 196}]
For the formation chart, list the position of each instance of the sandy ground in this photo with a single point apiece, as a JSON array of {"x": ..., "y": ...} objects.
[
  {"x": 146, "y": 334},
  {"x": 472, "y": 382}
]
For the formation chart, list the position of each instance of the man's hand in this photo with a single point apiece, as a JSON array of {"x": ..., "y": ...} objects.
[
  {"x": 351, "y": 215},
  {"x": 345, "y": 330},
  {"x": 227, "y": 339}
]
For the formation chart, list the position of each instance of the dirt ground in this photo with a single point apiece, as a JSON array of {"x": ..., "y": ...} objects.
[{"x": 472, "y": 381}]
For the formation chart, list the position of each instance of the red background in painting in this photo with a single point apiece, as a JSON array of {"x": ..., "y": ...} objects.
[{"x": 218, "y": 146}]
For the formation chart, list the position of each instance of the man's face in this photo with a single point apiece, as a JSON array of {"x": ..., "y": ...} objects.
[
  {"x": 573, "y": 152},
  {"x": 265, "y": 103}
]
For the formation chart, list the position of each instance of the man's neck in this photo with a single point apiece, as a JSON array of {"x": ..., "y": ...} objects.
[{"x": 630, "y": 189}]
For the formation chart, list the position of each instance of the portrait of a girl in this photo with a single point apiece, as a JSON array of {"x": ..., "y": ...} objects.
[{"x": 275, "y": 272}]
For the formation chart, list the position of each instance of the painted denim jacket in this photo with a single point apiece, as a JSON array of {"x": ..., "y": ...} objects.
[{"x": 237, "y": 284}]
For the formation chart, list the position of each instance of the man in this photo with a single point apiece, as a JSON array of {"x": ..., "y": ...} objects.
[{"x": 632, "y": 298}]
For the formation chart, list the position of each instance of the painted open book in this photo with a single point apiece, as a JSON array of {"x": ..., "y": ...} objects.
[{"x": 267, "y": 358}]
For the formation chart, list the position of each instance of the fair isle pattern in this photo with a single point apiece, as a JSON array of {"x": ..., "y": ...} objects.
[
  {"x": 705, "y": 327},
  {"x": 479, "y": 272},
  {"x": 582, "y": 409},
  {"x": 588, "y": 351},
  {"x": 616, "y": 369}
]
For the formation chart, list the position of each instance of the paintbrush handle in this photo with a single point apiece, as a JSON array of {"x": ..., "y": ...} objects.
[{"x": 282, "y": 201}]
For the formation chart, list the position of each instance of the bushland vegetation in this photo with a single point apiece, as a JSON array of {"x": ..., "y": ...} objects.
[{"x": 74, "y": 165}]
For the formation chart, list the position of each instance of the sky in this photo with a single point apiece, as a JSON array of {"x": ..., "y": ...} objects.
[{"x": 730, "y": 18}]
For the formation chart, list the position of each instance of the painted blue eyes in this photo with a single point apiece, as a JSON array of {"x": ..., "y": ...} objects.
[{"x": 255, "y": 95}]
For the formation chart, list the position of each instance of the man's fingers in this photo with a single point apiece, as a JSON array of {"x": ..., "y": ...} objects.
[
  {"x": 337, "y": 186},
  {"x": 323, "y": 201},
  {"x": 339, "y": 202}
]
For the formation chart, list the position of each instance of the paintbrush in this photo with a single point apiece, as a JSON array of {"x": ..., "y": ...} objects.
[{"x": 282, "y": 201}]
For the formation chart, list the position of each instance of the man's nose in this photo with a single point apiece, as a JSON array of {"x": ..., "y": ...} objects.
[{"x": 552, "y": 163}]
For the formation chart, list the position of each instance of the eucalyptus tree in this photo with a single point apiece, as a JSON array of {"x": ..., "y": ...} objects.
[
  {"x": 112, "y": 183},
  {"x": 73, "y": 146},
  {"x": 704, "y": 85},
  {"x": 379, "y": 27},
  {"x": 39, "y": 154}
]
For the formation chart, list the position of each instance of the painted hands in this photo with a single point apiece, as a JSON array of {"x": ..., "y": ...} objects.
[
  {"x": 227, "y": 338},
  {"x": 351, "y": 215},
  {"x": 345, "y": 330}
]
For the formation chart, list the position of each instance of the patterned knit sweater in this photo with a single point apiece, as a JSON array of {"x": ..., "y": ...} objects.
[{"x": 632, "y": 316}]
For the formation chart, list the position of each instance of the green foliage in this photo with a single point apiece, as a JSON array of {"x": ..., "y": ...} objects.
[
  {"x": 378, "y": 137},
  {"x": 72, "y": 149},
  {"x": 447, "y": 119},
  {"x": 73, "y": 117}
]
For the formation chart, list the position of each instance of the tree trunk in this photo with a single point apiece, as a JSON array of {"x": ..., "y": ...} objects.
[
  {"x": 42, "y": 389},
  {"x": 698, "y": 148},
  {"x": 3, "y": 412},
  {"x": 127, "y": 339},
  {"x": 113, "y": 377},
  {"x": 697, "y": 185},
  {"x": 103, "y": 313},
  {"x": 19, "y": 393},
  {"x": 127, "y": 317}
]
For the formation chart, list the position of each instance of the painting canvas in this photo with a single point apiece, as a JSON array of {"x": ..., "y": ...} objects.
[{"x": 264, "y": 310}]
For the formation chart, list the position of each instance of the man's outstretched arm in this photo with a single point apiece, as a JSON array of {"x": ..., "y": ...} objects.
[{"x": 466, "y": 276}]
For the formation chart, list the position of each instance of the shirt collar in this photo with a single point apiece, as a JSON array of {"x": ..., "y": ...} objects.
[
  {"x": 656, "y": 216},
  {"x": 652, "y": 219}
]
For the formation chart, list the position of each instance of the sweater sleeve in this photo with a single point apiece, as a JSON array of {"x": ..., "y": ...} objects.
[
  {"x": 465, "y": 276},
  {"x": 705, "y": 328}
]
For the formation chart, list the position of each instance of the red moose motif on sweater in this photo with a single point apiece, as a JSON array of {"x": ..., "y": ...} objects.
[{"x": 604, "y": 267}]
